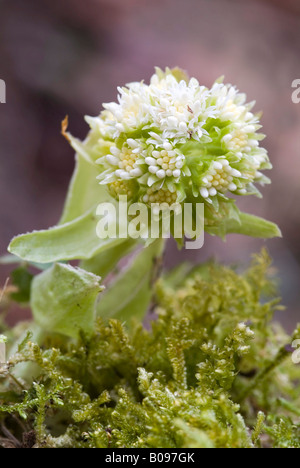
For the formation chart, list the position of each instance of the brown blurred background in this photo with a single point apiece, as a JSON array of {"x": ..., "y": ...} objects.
[{"x": 67, "y": 57}]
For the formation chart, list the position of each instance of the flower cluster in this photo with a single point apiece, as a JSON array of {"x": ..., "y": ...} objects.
[{"x": 176, "y": 137}]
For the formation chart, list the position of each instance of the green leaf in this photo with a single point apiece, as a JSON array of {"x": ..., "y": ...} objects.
[
  {"x": 63, "y": 300},
  {"x": 248, "y": 225},
  {"x": 74, "y": 240},
  {"x": 106, "y": 262},
  {"x": 21, "y": 278},
  {"x": 84, "y": 190},
  {"x": 75, "y": 237},
  {"x": 130, "y": 295}
]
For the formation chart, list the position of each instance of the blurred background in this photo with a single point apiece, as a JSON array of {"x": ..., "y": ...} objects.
[{"x": 67, "y": 57}]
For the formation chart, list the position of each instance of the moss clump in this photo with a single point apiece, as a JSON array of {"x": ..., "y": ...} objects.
[{"x": 212, "y": 370}]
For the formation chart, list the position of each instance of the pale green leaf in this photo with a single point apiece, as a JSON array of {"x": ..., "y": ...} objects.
[
  {"x": 84, "y": 190},
  {"x": 106, "y": 262},
  {"x": 247, "y": 225},
  {"x": 74, "y": 240},
  {"x": 130, "y": 295},
  {"x": 63, "y": 300},
  {"x": 75, "y": 237}
]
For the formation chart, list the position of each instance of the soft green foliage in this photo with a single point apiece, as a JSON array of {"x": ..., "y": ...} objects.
[
  {"x": 63, "y": 300},
  {"x": 247, "y": 225},
  {"x": 212, "y": 370},
  {"x": 21, "y": 278},
  {"x": 74, "y": 240},
  {"x": 75, "y": 237},
  {"x": 130, "y": 294}
]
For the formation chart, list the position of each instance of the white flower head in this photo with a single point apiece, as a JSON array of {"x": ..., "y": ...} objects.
[
  {"x": 180, "y": 109},
  {"x": 176, "y": 137}
]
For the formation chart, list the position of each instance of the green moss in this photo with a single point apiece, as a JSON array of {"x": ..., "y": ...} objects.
[{"x": 212, "y": 370}]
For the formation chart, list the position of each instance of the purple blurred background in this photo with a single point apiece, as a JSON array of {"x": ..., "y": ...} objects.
[{"x": 67, "y": 57}]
